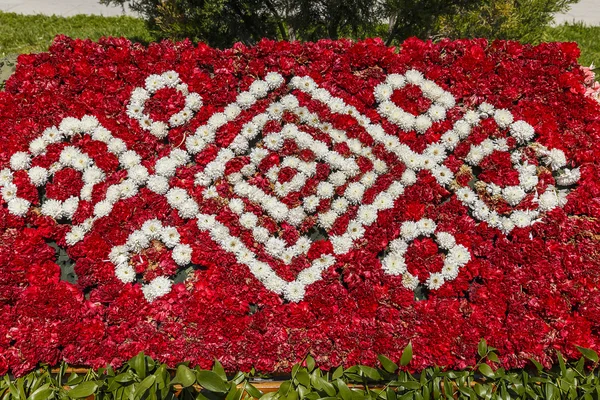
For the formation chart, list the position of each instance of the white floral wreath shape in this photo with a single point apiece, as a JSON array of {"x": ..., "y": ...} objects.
[{"x": 431, "y": 159}]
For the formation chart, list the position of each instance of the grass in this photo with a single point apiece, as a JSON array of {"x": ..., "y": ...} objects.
[
  {"x": 33, "y": 33},
  {"x": 588, "y": 38}
]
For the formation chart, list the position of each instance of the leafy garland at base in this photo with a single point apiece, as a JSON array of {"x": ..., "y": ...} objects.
[{"x": 143, "y": 378}]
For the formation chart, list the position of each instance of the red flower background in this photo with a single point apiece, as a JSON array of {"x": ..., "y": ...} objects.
[{"x": 530, "y": 293}]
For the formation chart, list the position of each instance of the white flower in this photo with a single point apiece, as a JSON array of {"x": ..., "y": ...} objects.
[
  {"x": 397, "y": 81},
  {"x": 426, "y": 226},
  {"x": 354, "y": 192},
  {"x": 154, "y": 82},
  {"x": 294, "y": 291},
  {"x": 169, "y": 236},
  {"x": 522, "y": 131},
  {"x": 556, "y": 159},
  {"x": 311, "y": 203},
  {"x": 521, "y": 218},
  {"x": 159, "y": 286},
  {"x": 309, "y": 275},
  {"x": 383, "y": 201},
  {"x": 152, "y": 228},
  {"x": 568, "y": 177},
  {"x": 442, "y": 174},
  {"x": 486, "y": 108},
  {"x": 20, "y": 160},
  {"x": 513, "y": 195},
  {"x": 138, "y": 174},
  {"x": 409, "y": 230},
  {"x": 549, "y": 199},
  {"x": 410, "y": 281},
  {"x": 129, "y": 159},
  {"x": 409, "y": 177},
  {"x": 52, "y": 135},
  {"x": 422, "y": 123},
  {"x": 182, "y": 254},
  {"x": 367, "y": 214},
  {"x": 466, "y": 195},
  {"x": 165, "y": 167},
  {"x": 503, "y": 118},
  {"x": 159, "y": 129},
  {"x": 38, "y": 175},
  {"x": 5, "y": 176},
  {"x": 193, "y": 101},
  {"x": 458, "y": 255},
  {"x": 327, "y": 219},
  {"x": 52, "y": 208},
  {"x": 137, "y": 241},
  {"x": 383, "y": 92},
  {"x": 75, "y": 235},
  {"x": 435, "y": 281},
  {"x": 480, "y": 210},
  {"x": 261, "y": 234},
  {"x": 341, "y": 244},
  {"x": 325, "y": 190},
  {"x": 394, "y": 264},
  {"x": 337, "y": 178},
  {"x": 436, "y": 113},
  {"x": 274, "y": 79},
  {"x": 102, "y": 208},
  {"x": 69, "y": 206},
  {"x": 450, "y": 272},
  {"x": 248, "y": 220},
  {"x": 70, "y": 126},
  {"x": 445, "y": 240},
  {"x": 449, "y": 140},
  {"x": 176, "y": 196},
  {"x": 205, "y": 222},
  {"x": 355, "y": 230},
  {"x": 296, "y": 216},
  {"x": 158, "y": 184},
  {"x": 125, "y": 273},
  {"x": 188, "y": 209},
  {"x": 116, "y": 146},
  {"x": 258, "y": 89},
  {"x": 128, "y": 188},
  {"x": 118, "y": 255},
  {"x": 446, "y": 100},
  {"x": 275, "y": 246},
  {"x": 37, "y": 146},
  {"x": 93, "y": 175},
  {"x": 413, "y": 76}
]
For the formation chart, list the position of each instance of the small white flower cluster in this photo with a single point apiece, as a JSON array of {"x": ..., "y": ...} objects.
[
  {"x": 441, "y": 101},
  {"x": 120, "y": 256},
  {"x": 304, "y": 171},
  {"x": 139, "y": 96},
  {"x": 394, "y": 262}
]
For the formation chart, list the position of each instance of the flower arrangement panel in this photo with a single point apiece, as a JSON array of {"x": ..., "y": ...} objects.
[{"x": 258, "y": 204}]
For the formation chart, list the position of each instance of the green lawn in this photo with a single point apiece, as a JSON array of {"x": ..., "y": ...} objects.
[{"x": 34, "y": 33}]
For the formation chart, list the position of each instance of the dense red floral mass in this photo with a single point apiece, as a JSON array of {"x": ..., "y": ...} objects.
[{"x": 258, "y": 204}]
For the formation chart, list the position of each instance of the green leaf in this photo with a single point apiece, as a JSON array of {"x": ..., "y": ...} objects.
[
  {"x": 482, "y": 348},
  {"x": 538, "y": 366},
  {"x": 344, "y": 392},
  {"x": 303, "y": 377},
  {"x": 407, "y": 354},
  {"x": 42, "y": 393},
  {"x": 493, "y": 357},
  {"x": 184, "y": 376},
  {"x": 211, "y": 381},
  {"x": 219, "y": 370},
  {"x": 370, "y": 373},
  {"x": 84, "y": 389},
  {"x": 338, "y": 373},
  {"x": 144, "y": 386},
  {"x": 486, "y": 370},
  {"x": 252, "y": 391},
  {"x": 138, "y": 363},
  {"x": 310, "y": 363},
  {"x": 387, "y": 364},
  {"x": 588, "y": 353}
]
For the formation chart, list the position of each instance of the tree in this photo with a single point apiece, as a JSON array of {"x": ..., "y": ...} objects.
[{"x": 221, "y": 23}]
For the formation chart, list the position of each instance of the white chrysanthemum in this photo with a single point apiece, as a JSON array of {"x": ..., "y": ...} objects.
[
  {"x": 125, "y": 273},
  {"x": 445, "y": 240},
  {"x": 409, "y": 177},
  {"x": 480, "y": 210},
  {"x": 93, "y": 175},
  {"x": 556, "y": 159},
  {"x": 274, "y": 79},
  {"x": 309, "y": 275},
  {"x": 138, "y": 174},
  {"x": 275, "y": 246},
  {"x": 476, "y": 154},
  {"x": 513, "y": 194},
  {"x": 165, "y": 167},
  {"x": 154, "y": 82},
  {"x": 195, "y": 144},
  {"x": 86, "y": 192},
  {"x": 503, "y": 118},
  {"x": 261, "y": 234},
  {"x": 327, "y": 219},
  {"x": 258, "y": 89},
  {"x": 137, "y": 241},
  {"x": 325, "y": 190},
  {"x": 431, "y": 90},
  {"x": 245, "y": 100},
  {"x": 236, "y": 205},
  {"x": 75, "y": 235},
  {"x": 486, "y": 108},
  {"x": 169, "y": 236},
  {"x": 248, "y": 220},
  {"x": 383, "y": 201},
  {"x": 296, "y": 216},
  {"x": 52, "y": 135},
  {"x": 188, "y": 209},
  {"x": 413, "y": 76},
  {"x": 128, "y": 188},
  {"x": 521, "y": 218},
  {"x": 394, "y": 264},
  {"x": 52, "y": 208},
  {"x": 6, "y": 176},
  {"x": 367, "y": 214},
  {"x": 338, "y": 178},
  {"x": 466, "y": 195},
  {"x": 522, "y": 131},
  {"x": 158, "y": 184},
  {"x": 568, "y": 177},
  {"x": 176, "y": 197},
  {"x": 81, "y": 162},
  {"x": 450, "y": 272},
  {"x": 69, "y": 206},
  {"x": 396, "y": 80},
  {"x": 278, "y": 211},
  {"x": 355, "y": 230},
  {"x": 446, "y": 100},
  {"x": 435, "y": 281},
  {"x": 458, "y": 255},
  {"x": 436, "y": 113},
  {"x": 341, "y": 244},
  {"x": 116, "y": 146},
  {"x": 398, "y": 246},
  {"x": 205, "y": 222},
  {"x": 340, "y": 205},
  {"x": 9, "y": 191},
  {"x": 159, "y": 287},
  {"x": 38, "y": 175},
  {"x": 311, "y": 203},
  {"x": 383, "y": 92},
  {"x": 159, "y": 129},
  {"x": 37, "y": 146},
  {"x": 101, "y": 134},
  {"x": 528, "y": 181},
  {"x": 152, "y": 228},
  {"x": 294, "y": 291},
  {"x": 193, "y": 101},
  {"x": 118, "y": 255},
  {"x": 410, "y": 281},
  {"x": 409, "y": 230},
  {"x": 70, "y": 126},
  {"x": 426, "y": 226},
  {"x": 549, "y": 199},
  {"x": 171, "y": 78},
  {"x": 182, "y": 254},
  {"x": 442, "y": 174},
  {"x": 354, "y": 192},
  {"x": 20, "y": 160},
  {"x": 129, "y": 159}
]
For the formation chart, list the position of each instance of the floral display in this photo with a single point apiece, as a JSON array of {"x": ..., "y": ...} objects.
[{"x": 258, "y": 204}]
